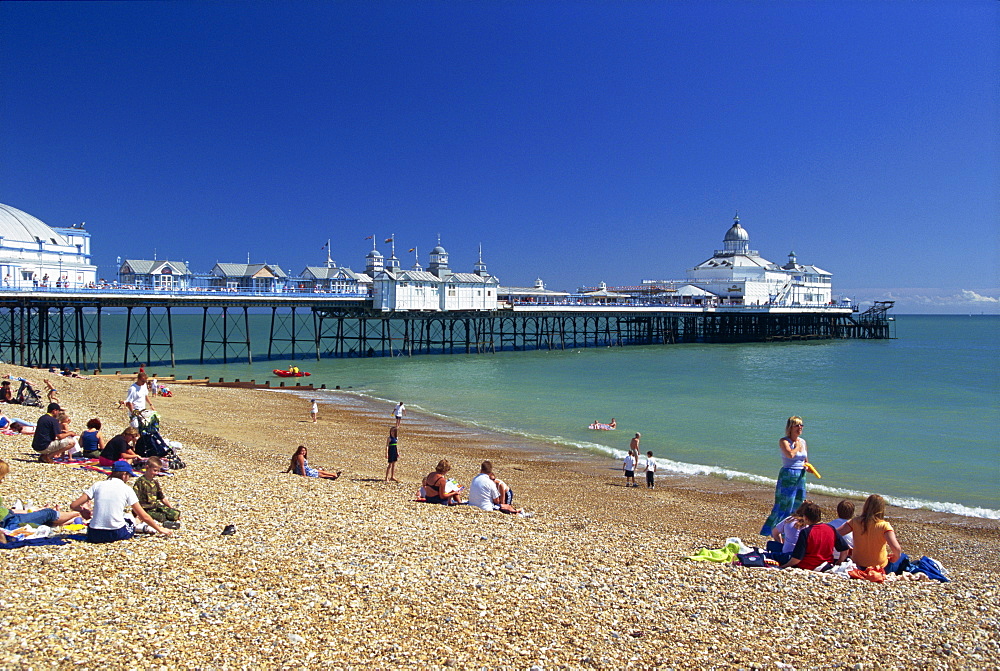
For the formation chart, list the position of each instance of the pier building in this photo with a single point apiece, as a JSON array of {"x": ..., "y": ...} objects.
[
  {"x": 254, "y": 277},
  {"x": 163, "y": 275},
  {"x": 738, "y": 275},
  {"x": 437, "y": 289},
  {"x": 33, "y": 254}
]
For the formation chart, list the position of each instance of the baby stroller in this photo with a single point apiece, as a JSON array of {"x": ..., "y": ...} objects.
[
  {"x": 26, "y": 395},
  {"x": 151, "y": 443}
]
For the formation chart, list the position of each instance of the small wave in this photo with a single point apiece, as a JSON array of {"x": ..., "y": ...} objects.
[{"x": 341, "y": 397}]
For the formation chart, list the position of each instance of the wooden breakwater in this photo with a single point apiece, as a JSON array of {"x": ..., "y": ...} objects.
[{"x": 207, "y": 382}]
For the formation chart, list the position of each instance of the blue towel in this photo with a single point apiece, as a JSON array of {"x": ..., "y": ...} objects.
[{"x": 57, "y": 540}]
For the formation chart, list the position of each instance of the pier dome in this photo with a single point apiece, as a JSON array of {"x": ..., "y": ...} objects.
[
  {"x": 18, "y": 225},
  {"x": 736, "y": 233},
  {"x": 737, "y": 240}
]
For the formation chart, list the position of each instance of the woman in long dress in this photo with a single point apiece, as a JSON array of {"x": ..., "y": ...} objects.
[{"x": 790, "y": 490}]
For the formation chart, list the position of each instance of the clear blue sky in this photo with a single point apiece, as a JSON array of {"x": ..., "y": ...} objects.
[{"x": 577, "y": 141}]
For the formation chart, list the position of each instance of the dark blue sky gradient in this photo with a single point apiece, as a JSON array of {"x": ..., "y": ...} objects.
[{"x": 578, "y": 142}]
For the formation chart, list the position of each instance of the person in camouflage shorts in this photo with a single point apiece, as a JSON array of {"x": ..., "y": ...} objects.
[{"x": 152, "y": 498}]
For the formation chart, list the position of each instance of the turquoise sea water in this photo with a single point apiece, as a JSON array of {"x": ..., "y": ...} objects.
[{"x": 916, "y": 419}]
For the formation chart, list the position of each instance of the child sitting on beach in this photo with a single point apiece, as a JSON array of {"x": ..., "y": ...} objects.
[
  {"x": 785, "y": 535},
  {"x": 151, "y": 496},
  {"x": 875, "y": 543},
  {"x": 845, "y": 511},
  {"x": 816, "y": 542}
]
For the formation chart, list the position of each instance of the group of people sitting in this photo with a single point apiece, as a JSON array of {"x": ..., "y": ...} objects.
[
  {"x": 104, "y": 504},
  {"x": 802, "y": 541},
  {"x": 487, "y": 491}
]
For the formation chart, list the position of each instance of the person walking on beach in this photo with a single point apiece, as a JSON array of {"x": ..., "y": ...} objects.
[
  {"x": 398, "y": 413},
  {"x": 314, "y": 411},
  {"x": 790, "y": 490},
  {"x": 633, "y": 449},
  {"x": 51, "y": 392},
  {"x": 391, "y": 454},
  {"x": 138, "y": 400},
  {"x": 650, "y": 470},
  {"x": 628, "y": 467}
]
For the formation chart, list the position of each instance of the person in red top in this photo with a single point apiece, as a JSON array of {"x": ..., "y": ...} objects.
[{"x": 816, "y": 542}]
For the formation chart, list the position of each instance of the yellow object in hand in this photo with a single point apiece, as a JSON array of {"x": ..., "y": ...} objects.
[{"x": 812, "y": 469}]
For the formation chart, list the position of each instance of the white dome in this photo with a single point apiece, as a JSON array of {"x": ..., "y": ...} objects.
[
  {"x": 736, "y": 233},
  {"x": 18, "y": 225},
  {"x": 374, "y": 254}
]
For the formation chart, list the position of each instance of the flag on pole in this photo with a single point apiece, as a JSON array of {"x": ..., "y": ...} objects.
[
  {"x": 388, "y": 240},
  {"x": 327, "y": 244},
  {"x": 412, "y": 249},
  {"x": 370, "y": 237}
]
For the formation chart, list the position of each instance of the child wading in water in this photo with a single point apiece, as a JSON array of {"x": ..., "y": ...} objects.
[{"x": 391, "y": 454}]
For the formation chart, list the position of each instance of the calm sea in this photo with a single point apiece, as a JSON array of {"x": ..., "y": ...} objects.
[{"x": 916, "y": 419}]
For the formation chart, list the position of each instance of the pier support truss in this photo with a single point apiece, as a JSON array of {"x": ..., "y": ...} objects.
[
  {"x": 222, "y": 333},
  {"x": 68, "y": 331},
  {"x": 148, "y": 335},
  {"x": 350, "y": 333}
]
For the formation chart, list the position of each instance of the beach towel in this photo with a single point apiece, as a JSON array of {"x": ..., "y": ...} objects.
[
  {"x": 721, "y": 555},
  {"x": 55, "y": 540},
  {"x": 789, "y": 493}
]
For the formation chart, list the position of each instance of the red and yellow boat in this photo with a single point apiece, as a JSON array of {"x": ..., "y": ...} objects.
[{"x": 290, "y": 373}]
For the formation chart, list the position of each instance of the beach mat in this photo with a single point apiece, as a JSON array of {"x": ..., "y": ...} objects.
[{"x": 12, "y": 544}]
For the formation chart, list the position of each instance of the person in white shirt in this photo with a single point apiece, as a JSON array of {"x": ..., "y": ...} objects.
[
  {"x": 650, "y": 470},
  {"x": 314, "y": 411},
  {"x": 398, "y": 413},
  {"x": 111, "y": 497},
  {"x": 628, "y": 467},
  {"x": 484, "y": 493},
  {"x": 138, "y": 400}
]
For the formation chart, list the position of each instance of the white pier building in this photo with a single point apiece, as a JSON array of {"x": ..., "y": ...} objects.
[
  {"x": 33, "y": 254},
  {"x": 738, "y": 275},
  {"x": 436, "y": 289}
]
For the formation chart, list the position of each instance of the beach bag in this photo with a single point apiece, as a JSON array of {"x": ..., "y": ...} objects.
[
  {"x": 898, "y": 566},
  {"x": 754, "y": 558}
]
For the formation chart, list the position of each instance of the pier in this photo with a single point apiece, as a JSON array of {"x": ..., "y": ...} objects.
[{"x": 70, "y": 328}]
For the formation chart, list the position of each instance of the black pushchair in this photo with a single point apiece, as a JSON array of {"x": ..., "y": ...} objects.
[
  {"x": 26, "y": 395},
  {"x": 152, "y": 444}
]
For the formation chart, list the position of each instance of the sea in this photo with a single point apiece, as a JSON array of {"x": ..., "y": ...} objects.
[{"x": 915, "y": 418}]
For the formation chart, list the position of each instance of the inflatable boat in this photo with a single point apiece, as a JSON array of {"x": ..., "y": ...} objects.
[{"x": 288, "y": 373}]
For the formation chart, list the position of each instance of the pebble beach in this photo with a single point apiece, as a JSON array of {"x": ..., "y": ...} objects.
[{"x": 354, "y": 573}]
